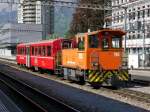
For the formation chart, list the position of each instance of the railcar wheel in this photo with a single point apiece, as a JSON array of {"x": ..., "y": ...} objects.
[
  {"x": 41, "y": 70},
  {"x": 81, "y": 81}
]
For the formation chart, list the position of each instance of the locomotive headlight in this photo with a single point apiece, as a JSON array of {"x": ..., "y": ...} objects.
[{"x": 95, "y": 64}]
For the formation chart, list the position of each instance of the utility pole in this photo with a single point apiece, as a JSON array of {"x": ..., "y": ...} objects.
[{"x": 10, "y": 11}]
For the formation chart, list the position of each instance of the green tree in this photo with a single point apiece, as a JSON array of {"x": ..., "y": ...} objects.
[{"x": 84, "y": 19}]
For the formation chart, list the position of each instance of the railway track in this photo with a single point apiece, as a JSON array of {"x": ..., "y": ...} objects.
[
  {"x": 124, "y": 92},
  {"x": 38, "y": 101},
  {"x": 139, "y": 96}
]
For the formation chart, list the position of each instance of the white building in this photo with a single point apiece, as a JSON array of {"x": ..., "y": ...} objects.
[
  {"x": 137, "y": 27},
  {"x": 36, "y": 12},
  {"x": 138, "y": 23}
]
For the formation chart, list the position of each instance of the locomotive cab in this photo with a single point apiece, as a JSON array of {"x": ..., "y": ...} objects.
[{"x": 97, "y": 58}]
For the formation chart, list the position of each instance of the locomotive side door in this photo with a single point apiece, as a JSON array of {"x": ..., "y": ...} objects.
[{"x": 28, "y": 56}]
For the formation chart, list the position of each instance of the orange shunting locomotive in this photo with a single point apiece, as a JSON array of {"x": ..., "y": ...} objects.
[{"x": 97, "y": 58}]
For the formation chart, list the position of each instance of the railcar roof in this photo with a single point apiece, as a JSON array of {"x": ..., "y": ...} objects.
[{"x": 40, "y": 42}]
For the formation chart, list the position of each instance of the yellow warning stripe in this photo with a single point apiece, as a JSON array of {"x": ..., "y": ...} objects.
[
  {"x": 105, "y": 75},
  {"x": 126, "y": 74},
  {"x": 122, "y": 75},
  {"x": 99, "y": 78},
  {"x": 94, "y": 77},
  {"x": 91, "y": 75}
]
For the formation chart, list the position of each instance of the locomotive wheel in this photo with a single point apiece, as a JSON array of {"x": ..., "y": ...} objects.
[
  {"x": 95, "y": 85},
  {"x": 81, "y": 81}
]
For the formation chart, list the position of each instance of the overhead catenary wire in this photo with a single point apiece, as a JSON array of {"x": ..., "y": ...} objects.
[{"x": 65, "y": 4}]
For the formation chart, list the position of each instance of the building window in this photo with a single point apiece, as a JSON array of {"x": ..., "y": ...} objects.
[
  {"x": 143, "y": 13},
  {"x": 134, "y": 14},
  {"x": 138, "y": 36},
  {"x": 138, "y": 13},
  {"x": 133, "y": 36},
  {"x": 148, "y": 12},
  {"x": 129, "y": 36}
]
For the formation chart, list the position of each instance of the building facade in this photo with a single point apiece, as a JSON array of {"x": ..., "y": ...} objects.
[
  {"x": 12, "y": 34},
  {"x": 37, "y": 12},
  {"x": 137, "y": 23},
  {"x": 134, "y": 17}
]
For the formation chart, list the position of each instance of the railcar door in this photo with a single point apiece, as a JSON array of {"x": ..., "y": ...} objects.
[{"x": 28, "y": 56}]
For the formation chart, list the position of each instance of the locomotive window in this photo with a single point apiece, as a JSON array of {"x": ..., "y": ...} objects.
[
  {"x": 116, "y": 42},
  {"x": 48, "y": 50},
  {"x": 93, "y": 41},
  {"x": 81, "y": 43},
  {"x": 105, "y": 43}
]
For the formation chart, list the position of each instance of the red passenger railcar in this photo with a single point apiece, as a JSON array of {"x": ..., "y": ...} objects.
[
  {"x": 40, "y": 55},
  {"x": 21, "y": 54}
]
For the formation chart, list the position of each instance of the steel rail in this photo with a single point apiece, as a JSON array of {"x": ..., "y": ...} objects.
[
  {"x": 139, "y": 96},
  {"x": 33, "y": 104},
  {"x": 35, "y": 92},
  {"x": 127, "y": 93}
]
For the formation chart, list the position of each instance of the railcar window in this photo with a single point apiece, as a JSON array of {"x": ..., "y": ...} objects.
[
  {"x": 93, "y": 41},
  {"x": 116, "y": 42},
  {"x": 43, "y": 51},
  {"x": 39, "y": 49},
  {"x": 66, "y": 44},
  {"x": 81, "y": 44},
  {"x": 32, "y": 50},
  {"x": 36, "y": 51},
  {"x": 22, "y": 50},
  {"x": 48, "y": 50},
  {"x": 105, "y": 43},
  {"x": 18, "y": 51}
]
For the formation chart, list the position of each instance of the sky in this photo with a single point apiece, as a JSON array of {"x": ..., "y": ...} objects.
[{"x": 6, "y": 7}]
